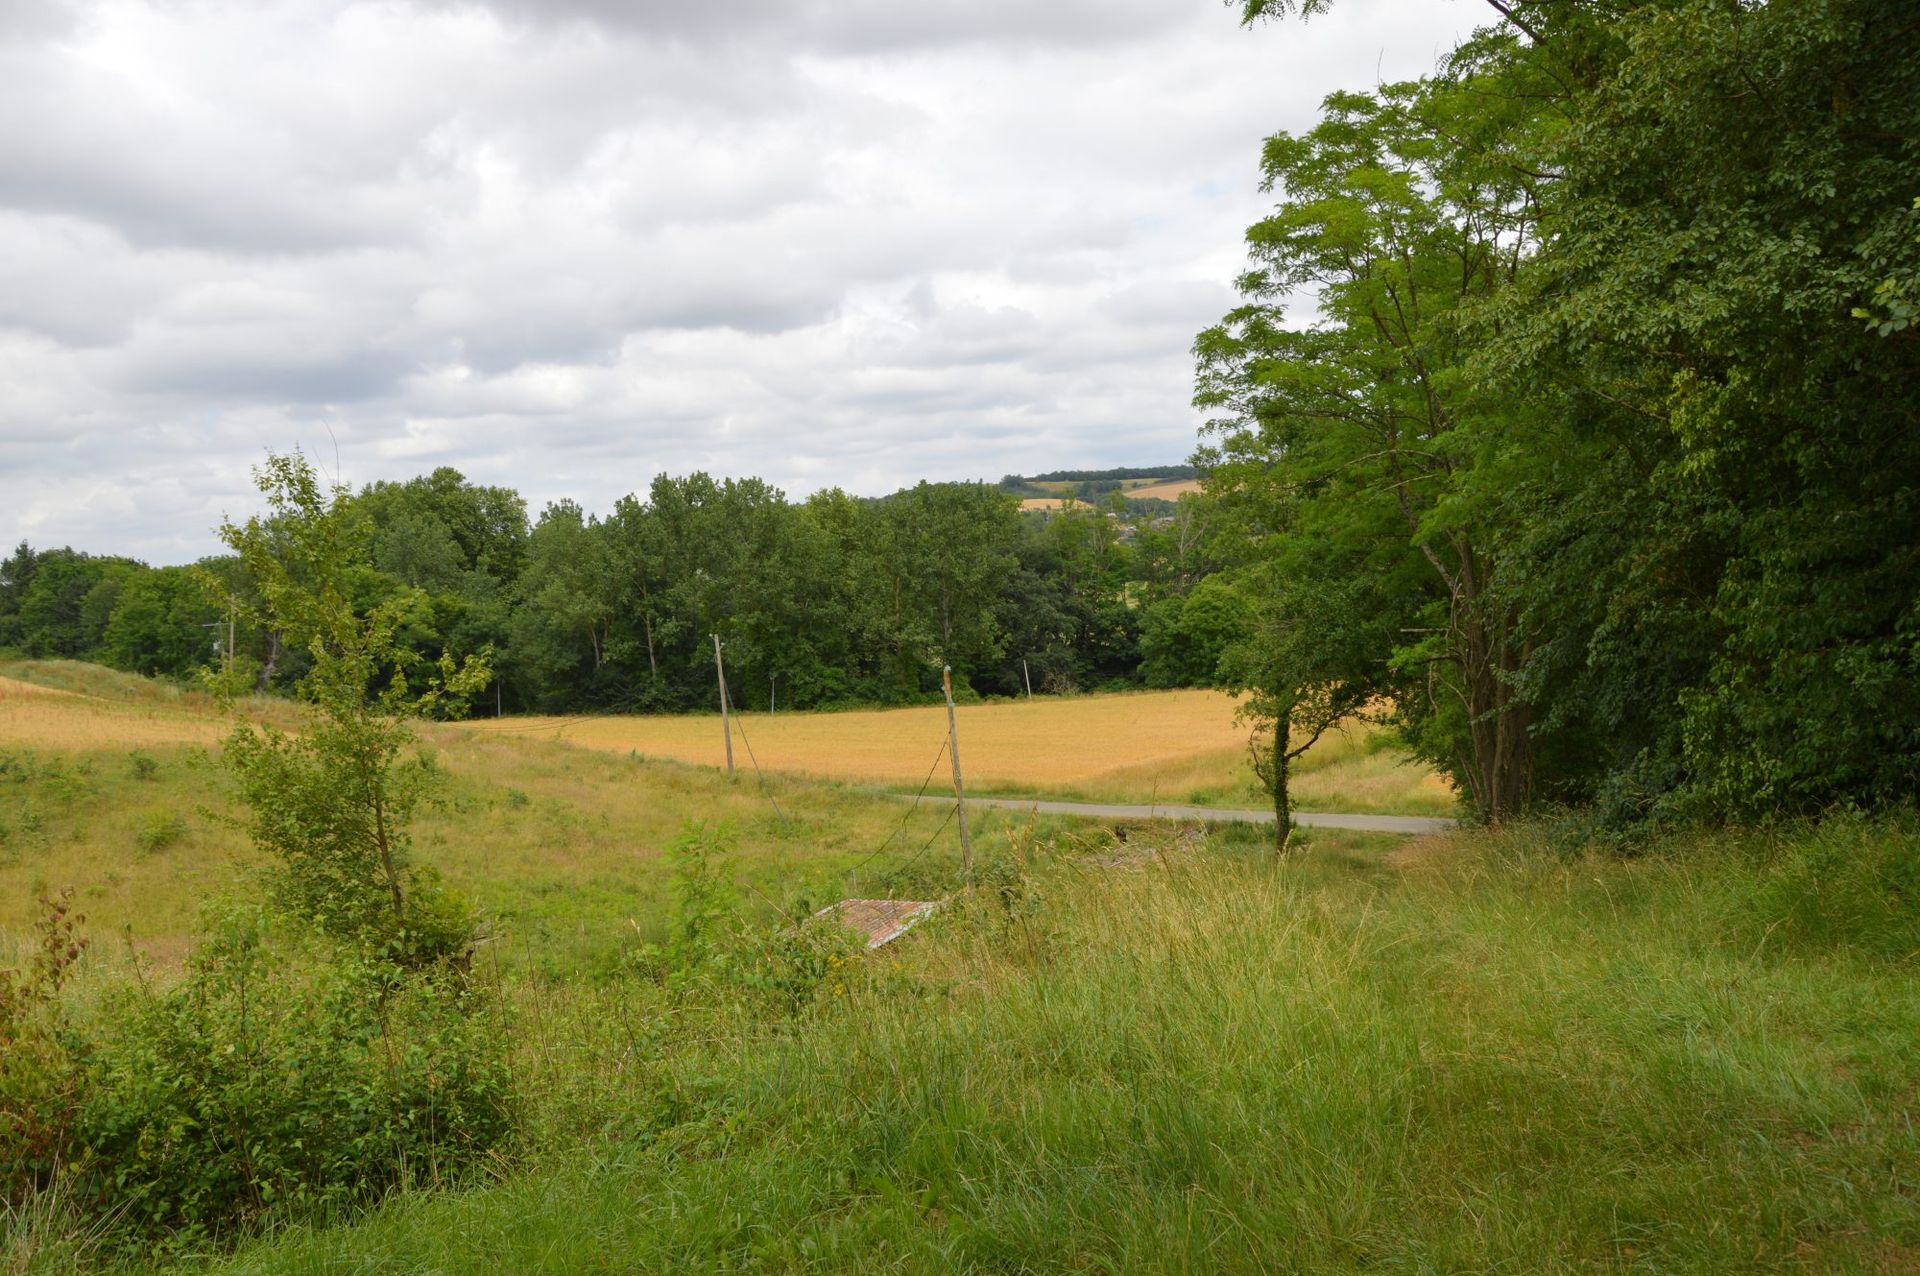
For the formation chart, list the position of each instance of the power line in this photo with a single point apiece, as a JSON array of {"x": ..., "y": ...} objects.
[{"x": 908, "y": 816}]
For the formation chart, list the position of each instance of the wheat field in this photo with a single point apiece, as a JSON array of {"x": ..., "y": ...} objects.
[
  {"x": 1170, "y": 746},
  {"x": 1045, "y": 741}
]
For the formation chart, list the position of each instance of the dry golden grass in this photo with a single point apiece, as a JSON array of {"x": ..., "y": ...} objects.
[
  {"x": 33, "y": 716},
  {"x": 560, "y": 845},
  {"x": 1168, "y": 491},
  {"x": 561, "y": 849}
]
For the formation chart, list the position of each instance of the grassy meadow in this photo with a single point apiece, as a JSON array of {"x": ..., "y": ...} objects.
[
  {"x": 1143, "y": 746},
  {"x": 1141, "y": 1049},
  {"x": 111, "y": 784},
  {"x": 1470, "y": 1054}
]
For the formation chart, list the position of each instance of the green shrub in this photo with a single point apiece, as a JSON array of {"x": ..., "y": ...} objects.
[
  {"x": 38, "y": 1077},
  {"x": 271, "y": 1081},
  {"x": 705, "y": 906},
  {"x": 160, "y": 829},
  {"x": 143, "y": 765},
  {"x": 782, "y": 968}
]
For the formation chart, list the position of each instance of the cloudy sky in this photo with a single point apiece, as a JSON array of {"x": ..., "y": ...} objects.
[{"x": 569, "y": 244}]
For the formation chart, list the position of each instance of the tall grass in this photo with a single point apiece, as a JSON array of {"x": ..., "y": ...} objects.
[{"x": 1488, "y": 1058}]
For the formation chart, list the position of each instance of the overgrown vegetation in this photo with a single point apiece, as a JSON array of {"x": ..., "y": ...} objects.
[
  {"x": 1587, "y": 416},
  {"x": 1154, "y": 1056},
  {"x": 303, "y": 1063}
]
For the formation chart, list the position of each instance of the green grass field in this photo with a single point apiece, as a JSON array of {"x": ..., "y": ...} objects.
[
  {"x": 1149, "y": 1049},
  {"x": 1478, "y": 1056}
]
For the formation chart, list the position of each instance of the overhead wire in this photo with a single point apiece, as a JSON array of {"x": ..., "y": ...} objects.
[{"x": 902, "y": 827}]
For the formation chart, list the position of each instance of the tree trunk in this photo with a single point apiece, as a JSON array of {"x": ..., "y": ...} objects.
[
  {"x": 272, "y": 662},
  {"x": 1282, "y": 801}
]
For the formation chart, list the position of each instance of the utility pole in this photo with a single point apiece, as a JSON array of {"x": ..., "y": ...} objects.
[
  {"x": 726, "y": 726},
  {"x": 229, "y": 644},
  {"x": 959, "y": 786},
  {"x": 1027, "y": 676}
]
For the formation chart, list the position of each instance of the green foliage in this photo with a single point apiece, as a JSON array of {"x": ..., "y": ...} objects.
[
  {"x": 1720, "y": 545},
  {"x": 1183, "y": 638},
  {"x": 142, "y": 765},
  {"x": 1848, "y": 884},
  {"x": 163, "y": 623},
  {"x": 1504, "y": 1060},
  {"x": 333, "y": 804},
  {"x": 272, "y": 1081},
  {"x": 159, "y": 829},
  {"x": 1346, "y": 450},
  {"x": 65, "y": 607},
  {"x": 1591, "y": 333},
  {"x": 710, "y": 948},
  {"x": 39, "y": 1075},
  {"x": 705, "y": 900}
]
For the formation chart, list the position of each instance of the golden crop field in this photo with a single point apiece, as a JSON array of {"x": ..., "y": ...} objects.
[
  {"x": 1171, "y": 490},
  {"x": 46, "y": 718},
  {"x": 557, "y": 833},
  {"x": 1022, "y": 742},
  {"x": 1135, "y": 489},
  {"x": 1170, "y": 746}
]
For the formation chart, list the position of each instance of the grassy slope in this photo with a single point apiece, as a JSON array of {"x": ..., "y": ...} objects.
[
  {"x": 560, "y": 846},
  {"x": 1479, "y": 1057},
  {"x": 1463, "y": 1053}
]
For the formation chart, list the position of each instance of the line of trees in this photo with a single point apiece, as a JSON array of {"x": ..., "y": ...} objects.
[{"x": 836, "y": 600}]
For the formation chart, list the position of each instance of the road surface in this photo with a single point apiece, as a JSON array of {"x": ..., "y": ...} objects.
[{"x": 1306, "y": 819}]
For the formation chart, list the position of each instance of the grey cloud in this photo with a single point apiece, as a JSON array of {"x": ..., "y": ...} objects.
[
  {"x": 857, "y": 26},
  {"x": 568, "y": 245}
]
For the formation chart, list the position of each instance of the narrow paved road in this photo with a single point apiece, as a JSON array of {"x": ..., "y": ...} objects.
[{"x": 1307, "y": 819}]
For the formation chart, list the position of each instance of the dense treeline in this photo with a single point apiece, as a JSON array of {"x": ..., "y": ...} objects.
[
  {"x": 836, "y": 600},
  {"x": 1602, "y": 457}
]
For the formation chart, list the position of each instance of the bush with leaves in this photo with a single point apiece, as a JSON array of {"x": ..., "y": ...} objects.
[
  {"x": 281, "y": 1077},
  {"x": 710, "y": 947},
  {"x": 39, "y": 1079}
]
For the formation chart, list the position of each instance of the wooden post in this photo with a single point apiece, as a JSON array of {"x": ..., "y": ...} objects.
[
  {"x": 726, "y": 725},
  {"x": 1027, "y": 676},
  {"x": 770, "y": 685},
  {"x": 959, "y": 786}
]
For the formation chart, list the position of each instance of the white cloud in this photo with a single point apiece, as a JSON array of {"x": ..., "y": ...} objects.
[{"x": 568, "y": 245}]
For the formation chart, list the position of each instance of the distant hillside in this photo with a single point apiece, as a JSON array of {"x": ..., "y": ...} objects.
[
  {"x": 1083, "y": 476},
  {"x": 1087, "y": 485}
]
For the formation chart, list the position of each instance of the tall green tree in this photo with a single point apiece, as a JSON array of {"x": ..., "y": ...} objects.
[
  {"x": 1363, "y": 425},
  {"x": 163, "y": 624}
]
